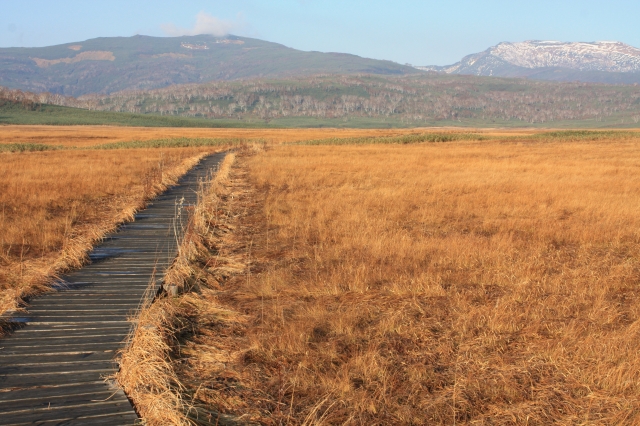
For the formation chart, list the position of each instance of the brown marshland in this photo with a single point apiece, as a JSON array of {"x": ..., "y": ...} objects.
[
  {"x": 83, "y": 136},
  {"x": 55, "y": 205},
  {"x": 491, "y": 282},
  {"x": 454, "y": 283}
]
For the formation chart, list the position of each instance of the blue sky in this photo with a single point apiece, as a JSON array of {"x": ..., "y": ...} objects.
[{"x": 417, "y": 32}]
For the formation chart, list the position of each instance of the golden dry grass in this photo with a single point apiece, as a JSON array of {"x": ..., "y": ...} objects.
[
  {"x": 55, "y": 205},
  {"x": 146, "y": 373},
  {"x": 458, "y": 283},
  {"x": 84, "y": 136},
  {"x": 467, "y": 282}
]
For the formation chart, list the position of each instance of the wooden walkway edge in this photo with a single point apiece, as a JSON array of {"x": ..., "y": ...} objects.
[{"x": 52, "y": 367}]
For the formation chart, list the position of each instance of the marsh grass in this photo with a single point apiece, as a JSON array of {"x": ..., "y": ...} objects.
[
  {"x": 403, "y": 139},
  {"x": 136, "y": 144},
  {"x": 28, "y": 147},
  {"x": 58, "y": 198},
  {"x": 87, "y": 136},
  {"x": 466, "y": 282},
  {"x": 459, "y": 283},
  {"x": 173, "y": 143},
  {"x": 455, "y": 136},
  {"x": 586, "y": 135}
]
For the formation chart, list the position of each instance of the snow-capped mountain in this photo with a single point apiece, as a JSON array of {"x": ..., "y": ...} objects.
[{"x": 602, "y": 61}]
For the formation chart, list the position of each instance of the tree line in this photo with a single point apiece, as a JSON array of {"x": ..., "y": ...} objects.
[{"x": 411, "y": 99}]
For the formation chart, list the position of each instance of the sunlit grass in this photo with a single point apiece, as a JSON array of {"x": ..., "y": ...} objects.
[{"x": 435, "y": 283}]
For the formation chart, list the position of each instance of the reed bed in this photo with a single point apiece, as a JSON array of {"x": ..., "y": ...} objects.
[
  {"x": 588, "y": 135},
  {"x": 86, "y": 136},
  {"x": 27, "y": 147},
  {"x": 457, "y": 135},
  {"x": 402, "y": 140},
  {"x": 458, "y": 283},
  {"x": 153, "y": 143},
  {"x": 486, "y": 280},
  {"x": 174, "y": 143}
]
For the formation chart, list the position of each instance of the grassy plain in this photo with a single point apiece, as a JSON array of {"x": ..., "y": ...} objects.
[
  {"x": 490, "y": 282},
  {"x": 55, "y": 204},
  {"x": 466, "y": 282},
  {"x": 87, "y": 136},
  {"x": 53, "y": 115}
]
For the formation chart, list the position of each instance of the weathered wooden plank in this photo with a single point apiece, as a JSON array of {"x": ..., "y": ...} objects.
[
  {"x": 126, "y": 419},
  {"x": 32, "y": 368},
  {"x": 58, "y": 349},
  {"x": 100, "y": 288},
  {"x": 12, "y": 381},
  {"x": 81, "y": 309},
  {"x": 86, "y": 296},
  {"x": 62, "y": 390},
  {"x": 85, "y": 374},
  {"x": 62, "y": 328},
  {"x": 55, "y": 401},
  {"x": 68, "y": 413},
  {"x": 25, "y": 343},
  {"x": 48, "y": 340},
  {"x": 87, "y": 303},
  {"x": 108, "y": 279},
  {"x": 75, "y": 319},
  {"x": 57, "y": 357},
  {"x": 53, "y": 335}
]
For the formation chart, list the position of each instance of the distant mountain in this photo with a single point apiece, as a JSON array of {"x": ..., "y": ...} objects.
[
  {"x": 107, "y": 65},
  {"x": 599, "y": 62}
]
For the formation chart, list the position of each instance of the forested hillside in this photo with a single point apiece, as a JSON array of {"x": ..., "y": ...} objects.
[{"x": 364, "y": 100}]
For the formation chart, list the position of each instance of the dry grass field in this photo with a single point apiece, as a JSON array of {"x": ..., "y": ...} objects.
[
  {"x": 85, "y": 136},
  {"x": 469, "y": 282},
  {"x": 448, "y": 283},
  {"x": 55, "y": 205}
]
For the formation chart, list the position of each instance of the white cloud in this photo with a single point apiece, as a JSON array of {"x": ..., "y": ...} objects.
[{"x": 205, "y": 24}]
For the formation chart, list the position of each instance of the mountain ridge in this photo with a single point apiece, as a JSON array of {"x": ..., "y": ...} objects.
[
  {"x": 112, "y": 64},
  {"x": 599, "y": 62}
]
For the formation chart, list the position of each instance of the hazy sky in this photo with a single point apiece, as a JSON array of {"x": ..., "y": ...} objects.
[{"x": 418, "y": 32}]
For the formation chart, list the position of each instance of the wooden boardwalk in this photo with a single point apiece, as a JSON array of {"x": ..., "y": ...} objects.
[{"x": 52, "y": 367}]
